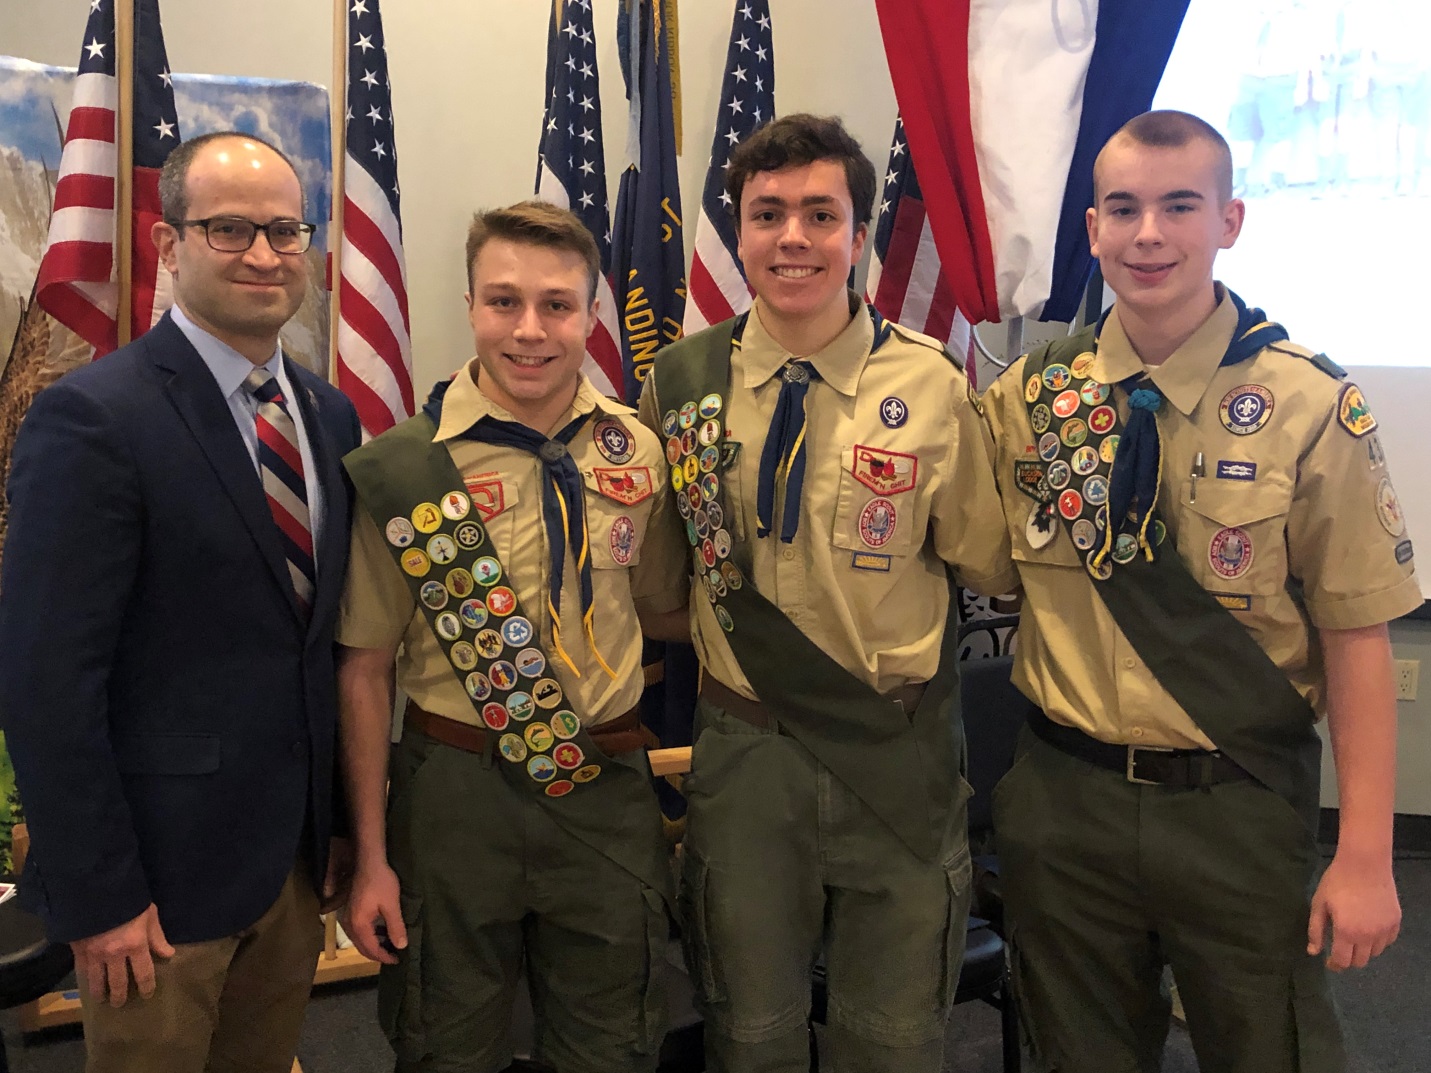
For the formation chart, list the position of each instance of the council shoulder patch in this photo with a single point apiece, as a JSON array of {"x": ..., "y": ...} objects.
[{"x": 1353, "y": 414}]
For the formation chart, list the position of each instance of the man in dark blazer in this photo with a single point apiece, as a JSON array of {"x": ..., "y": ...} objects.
[{"x": 177, "y": 543}]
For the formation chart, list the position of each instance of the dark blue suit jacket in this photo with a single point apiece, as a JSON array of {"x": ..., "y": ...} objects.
[{"x": 171, "y": 719}]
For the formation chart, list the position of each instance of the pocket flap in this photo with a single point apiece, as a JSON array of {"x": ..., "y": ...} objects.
[
  {"x": 1240, "y": 502},
  {"x": 167, "y": 754}
]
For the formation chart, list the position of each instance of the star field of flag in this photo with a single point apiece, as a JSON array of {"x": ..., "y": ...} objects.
[
  {"x": 899, "y": 181},
  {"x": 370, "y": 139},
  {"x": 747, "y": 100}
]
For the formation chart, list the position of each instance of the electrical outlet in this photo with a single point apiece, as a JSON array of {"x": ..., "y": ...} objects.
[{"x": 1407, "y": 671}]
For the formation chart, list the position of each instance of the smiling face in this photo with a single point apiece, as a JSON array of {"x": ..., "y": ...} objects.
[
  {"x": 530, "y": 316},
  {"x": 1157, "y": 224},
  {"x": 242, "y": 298},
  {"x": 798, "y": 242}
]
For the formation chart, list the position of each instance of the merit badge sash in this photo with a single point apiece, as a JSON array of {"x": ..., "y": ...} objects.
[
  {"x": 434, "y": 529},
  {"x": 1193, "y": 645},
  {"x": 904, "y": 765}
]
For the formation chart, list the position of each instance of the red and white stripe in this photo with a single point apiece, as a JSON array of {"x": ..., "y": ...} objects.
[
  {"x": 374, "y": 334},
  {"x": 718, "y": 290}
]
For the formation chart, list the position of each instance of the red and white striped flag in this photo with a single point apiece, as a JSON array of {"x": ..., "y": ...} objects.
[
  {"x": 77, "y": 283},
  {"x": 374, "y": 337},
  {"x": 718, "y": 289}
]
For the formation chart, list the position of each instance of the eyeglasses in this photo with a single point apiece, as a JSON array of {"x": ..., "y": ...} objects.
[{"x": 234, "y": 234}]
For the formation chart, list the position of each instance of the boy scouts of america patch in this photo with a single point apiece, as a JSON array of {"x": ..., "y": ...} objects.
[
  {"x": 1353, "y": 413},
  {"x": 1388, "y": 509}
]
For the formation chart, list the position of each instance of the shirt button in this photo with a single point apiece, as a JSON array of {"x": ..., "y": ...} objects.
[
  {"x": 1128, "y": 662},
  {"x": 1137, "y": 732},
  {"x": 788, "y": 554}
]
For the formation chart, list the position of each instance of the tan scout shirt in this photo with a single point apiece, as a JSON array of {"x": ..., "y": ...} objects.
[
  {"x": 1301, "y": 488},
  {"x": 886, "y": 502},
  {"x": 379, "y": 610}
]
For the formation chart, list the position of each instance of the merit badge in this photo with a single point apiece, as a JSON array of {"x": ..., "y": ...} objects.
[
  {"x": 1093, "y": 393},
  {"x": 456, "y": 505},
  {"x": 701, "y": 520},
  {"x": 1160, "y": 532},
  {"x": 691, "y": 469},
  {"x": 1038, "y": 528},
  {"x": 678, "y": 478},
  {"x": 710, "y": 485},
  {"x": 1236, "y": 471},
  {"x": 1230, "y": 552},
  {"x": 479, "y": 686},
  {"x": 720, "y": 540},
  {"x": 469, "y": 536},
  {"x": 1375, "y": 456},
  {"x": 459, "y": 583},
  {"x": 540, "y": 768},
  {"x": 1404, "y": 553},
  {"x": 709, "y": 433},
  {"x": 568, "y": 755},
  {"x": 539, "y": 737},
  {"x": 1083, "y": 534},
  {"x": 886, "y": 473},
  {"x": 729, "y": 451},
  {"x": 1057, "y": 377},
  {"x": 623, "y": 540},
  {"x": 1085, "y": 460},
  {"x": 495, "y": 716},
  {"x": 1095, "y": 490},
  {"x": 530, "y": 663},
  {"x": 1108, "y": 449},
  {"x": 463, "y": 656},
  {"x": 426, "y": 517},
  {"x": 708, "y": 553},
  {"x": 668, "y": 423},
  {"x": 629, "y": 485},
  {"x": 1074, "y": 432},
  {"x": 1065, "y": 404},
  {"x": 1125, "y": 548},
  {"x": 442, "y": 549},
  {"x": 1059, "y": 474},
  {"x": 447, "y": 626},
  {"x": 723, "y": 617},
  {"x": 687, "y": 417},
  {"x": 560, "y": 788},
  {"x": 487, "y": 570},
  {"x": 1040, "y": 417},
  {"x": 547, "y": 693},
  {"x": 613, "y": 441},
  {"x": 1099, "y": 571},
  {"x": 501, "y": 601},
  {"x": 683, "y": 507},
  {"x": 691, "y": 534},
  {"x": 1100, "y": 518},
  {"x": 1033, "y": 388},
  {"x": 715, "y": 513},
  {"x": 512, "y": 748},
  {"x": 877, "y": 522},
  {"x": 489, "y": 643},
  {"x": 1245, "y": 409},
  {"x": 1070, "y": 503},
  {"x": 565, "y": 725},
  {"x": 710, "y": 405},
  {"x": 433, "y": 594},
  {"x": 1102, "y": 419},
  {"x": 1353, "y": 412},
  {"x": 502, "y": 674},
  {"x": 1048, "y": 446},
  {"x": 1388, "y": 510},
  {"x": 731, "y": 573},
  {"x": 688, "y": 442},
  {"x": 1031, "y": 479},
  {"x": 487, "y": 495},
  {"x": 673, "y": 451},
  {"x": 516, "y": 631},
  {"x": 710, "y": 457},
  {"x": 520, "y": 706},
  {"x": 399, "y": 532},
  {"x": 1081, "y": 364},
  {"x": 473, "y": 612},
  {"x": 718, "y": 585},
  {"x": 415, "y": 562},
  {"x": 893, "y": 412}
]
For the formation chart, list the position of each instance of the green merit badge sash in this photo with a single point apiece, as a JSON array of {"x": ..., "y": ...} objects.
[
  {"x": 903, "y": 765},
  {"x": 1194, "y": 646},
  {"x": 420, "y": 504}
]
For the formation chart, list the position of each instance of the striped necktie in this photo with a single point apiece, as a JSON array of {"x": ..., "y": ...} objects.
[{"x": 280, "y": 466}]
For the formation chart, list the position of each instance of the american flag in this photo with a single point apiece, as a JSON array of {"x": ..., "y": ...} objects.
[
  {"x": 571, "y": 167},
  {"x": 906, "y": 282},
  {"x": 718, "y": 288},
  {"x": 77, "y": 283},
  {"x": 374, "y": 338}
]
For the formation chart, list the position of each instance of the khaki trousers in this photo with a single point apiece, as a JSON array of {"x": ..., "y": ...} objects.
[{"x": 230, "y": 1005}]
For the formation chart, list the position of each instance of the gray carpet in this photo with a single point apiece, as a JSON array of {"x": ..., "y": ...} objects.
[{"x": 1386, "y": 1010}]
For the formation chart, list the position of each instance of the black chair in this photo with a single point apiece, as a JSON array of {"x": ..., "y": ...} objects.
[{"x": 30, "y": 965}]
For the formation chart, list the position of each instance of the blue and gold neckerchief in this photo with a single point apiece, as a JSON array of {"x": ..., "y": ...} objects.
[{"x": 783, "y": 455}]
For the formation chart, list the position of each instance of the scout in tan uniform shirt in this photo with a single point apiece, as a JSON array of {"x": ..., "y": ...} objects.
[
  {"x": 485, "y": 859},
  {"x": 782, "y": 859},
  {"x": 1273, "y": 492}
]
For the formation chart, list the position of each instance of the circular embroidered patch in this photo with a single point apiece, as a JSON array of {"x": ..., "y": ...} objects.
[
  {"x": 877, "y": 522},
  {"x": 1230, "y": 552},
  {"x": 1245, "y": 409}
]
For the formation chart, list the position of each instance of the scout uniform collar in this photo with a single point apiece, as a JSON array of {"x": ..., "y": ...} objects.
[
  {"x": 840, "y": 363},
  {"x": 463, "y": 404}
]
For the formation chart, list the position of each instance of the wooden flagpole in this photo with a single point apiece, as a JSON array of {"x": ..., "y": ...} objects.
[
  {"x": 124, "y": 164},
  {"x": 339, "y": 100}
]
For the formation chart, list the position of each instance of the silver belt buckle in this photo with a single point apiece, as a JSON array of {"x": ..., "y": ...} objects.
[{"x": 1130, "y": 769}]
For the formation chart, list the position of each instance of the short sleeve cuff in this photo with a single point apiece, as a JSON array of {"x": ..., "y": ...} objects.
[
  {"x": 1006, "y": 580},
  {"x": 354, "y": 632},
  {"x": 1370, "y": 609},
  {"x": 665, "y": 601}
]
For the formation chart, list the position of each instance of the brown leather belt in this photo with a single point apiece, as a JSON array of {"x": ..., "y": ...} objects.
[
  {"x": 757, "y": 714},
  {"x": 615, "y": 736}
]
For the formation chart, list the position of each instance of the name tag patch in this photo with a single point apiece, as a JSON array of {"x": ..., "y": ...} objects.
[{"x": 1236, "y": 471}]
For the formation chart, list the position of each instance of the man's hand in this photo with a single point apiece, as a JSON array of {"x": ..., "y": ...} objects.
[
  {"x": 1360, "y": 905},
  {"x": 109, "y": 958},
  {"x": 339, "y": 879},
  {"x": 373, "y": 905}
]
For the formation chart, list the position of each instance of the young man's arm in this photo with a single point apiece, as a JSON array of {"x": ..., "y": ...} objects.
[
  {"x": 365, "y": 705},
  {"x": 1357, "y": 894}
]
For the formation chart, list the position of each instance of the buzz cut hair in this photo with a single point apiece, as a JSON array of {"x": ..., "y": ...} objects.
[
  {"x": 535, "y": 223},
  {"x": 1169, "y": 129},
  {"x": 794, "y": 141},
  {"x": 174, "y": 176}
]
